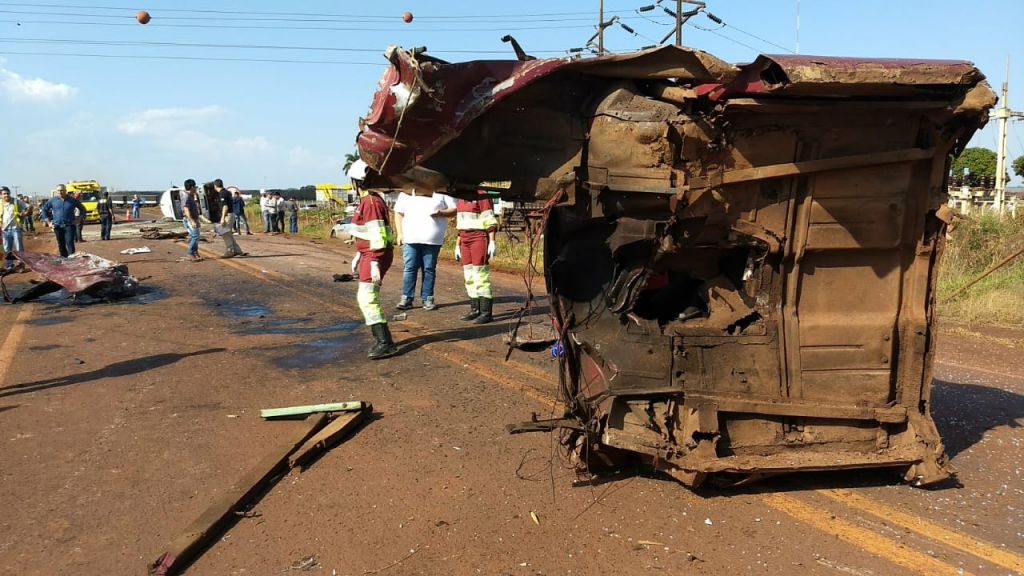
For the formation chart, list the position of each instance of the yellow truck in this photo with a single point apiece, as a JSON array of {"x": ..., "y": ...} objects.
[{"x": 90, "y": 197}]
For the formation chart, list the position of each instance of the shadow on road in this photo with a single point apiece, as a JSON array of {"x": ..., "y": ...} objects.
[
  {"x": 964, "y": 412},
  {"x": 115, "y": 370}
]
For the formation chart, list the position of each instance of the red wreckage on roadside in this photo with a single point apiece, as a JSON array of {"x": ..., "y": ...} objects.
[{"x": 741, "y": 261}]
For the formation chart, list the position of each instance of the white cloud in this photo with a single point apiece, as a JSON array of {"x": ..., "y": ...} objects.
[
  {"x": 167, "y": 121},
  {"x": 24, "y": 89}
]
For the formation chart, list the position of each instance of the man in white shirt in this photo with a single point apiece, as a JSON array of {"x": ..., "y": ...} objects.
[
  {"x": 420, "y": 222},
  {"x": 11, "y": 209}
]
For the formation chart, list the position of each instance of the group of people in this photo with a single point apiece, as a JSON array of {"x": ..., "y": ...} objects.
[
  {"x": 421, "y": 220},
  {"x": 275, "y": 210},
  {"x": 231, "y": 218}
]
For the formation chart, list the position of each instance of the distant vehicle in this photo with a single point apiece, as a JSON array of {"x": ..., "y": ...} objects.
[
  {"x": 341, "y": 194},
  {"x": 89, "y": 191},
  {"x": 170, "y": 203}
]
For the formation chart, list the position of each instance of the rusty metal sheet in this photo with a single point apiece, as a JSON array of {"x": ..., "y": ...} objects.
[{"x": 83, "y": 273}]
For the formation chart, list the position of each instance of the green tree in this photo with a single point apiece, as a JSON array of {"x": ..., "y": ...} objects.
[
  {"x": 979, "y": 161},
  {"x": 350, "y": 159},
  {"x": 1018, "y": 166}
]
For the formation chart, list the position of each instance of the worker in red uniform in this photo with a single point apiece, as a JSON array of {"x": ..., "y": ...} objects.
[
  {"x": 477, "y": 227},
  {"x": 371, "y": 227}
]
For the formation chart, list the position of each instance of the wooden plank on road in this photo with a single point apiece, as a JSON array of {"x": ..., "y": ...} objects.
[{"x": 222, "y": 513}]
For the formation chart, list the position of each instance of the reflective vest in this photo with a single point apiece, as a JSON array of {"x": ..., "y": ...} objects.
[
  {"x": 16, "y": 216},
  {"x": 371, "y": 224},
  {"x": 475, "y": 215}
]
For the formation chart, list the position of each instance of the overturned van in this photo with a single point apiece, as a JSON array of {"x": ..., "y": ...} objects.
[{"x": 741, "y": 260}]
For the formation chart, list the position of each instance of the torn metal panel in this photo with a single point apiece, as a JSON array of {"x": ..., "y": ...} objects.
[
  {"x": 744, "y": 258},
  {"x": 83, "y": 273}
]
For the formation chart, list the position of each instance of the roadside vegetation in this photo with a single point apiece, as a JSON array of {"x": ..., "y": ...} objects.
[{"x": 974, "y": 245}]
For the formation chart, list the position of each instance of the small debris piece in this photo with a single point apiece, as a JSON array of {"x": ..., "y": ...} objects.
[
  {"x": 533, "y": 516},
  {"x": 142, "y": 250},
  {"x": 222, "y": 513},
  {"x": 343, "y": 277},
  {"x": 305, "y": 564},
  {"x": 400, "y": 316},
  {"x": 301, "y": 411}
]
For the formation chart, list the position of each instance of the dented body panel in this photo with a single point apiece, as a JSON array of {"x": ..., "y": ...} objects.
[{"x": 741, "y": 260}]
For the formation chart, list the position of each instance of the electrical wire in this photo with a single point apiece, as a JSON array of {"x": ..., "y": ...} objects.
[
  {"x": 316, "y": 14},
  {"x": 193, "y": 58},
  {"x": 281, "y": 28},
  {"x": 237, "y": 46}
]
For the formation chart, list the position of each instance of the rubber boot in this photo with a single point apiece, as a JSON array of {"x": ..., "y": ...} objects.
[
  {"x": 383, "y": 345},
  {"x": 486, "y": 305},
  {"x": 474, "y": 309}
]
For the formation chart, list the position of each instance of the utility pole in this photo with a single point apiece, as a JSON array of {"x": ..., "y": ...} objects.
[
  {"x": 1003, "y": 115},
  {"x": 600, "y": 28},
  {"x": 679, "y": 22}
]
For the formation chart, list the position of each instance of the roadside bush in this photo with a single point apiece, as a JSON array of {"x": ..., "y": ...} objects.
[{"x": 973, "y": 246}]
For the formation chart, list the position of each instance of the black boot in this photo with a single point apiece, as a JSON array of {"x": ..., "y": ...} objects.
[
  {"x": 383, "y": 345},
  {"x": 474, "y": 309},
  {"x": 486, "y": 305}
]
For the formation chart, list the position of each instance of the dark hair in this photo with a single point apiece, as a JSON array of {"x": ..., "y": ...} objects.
[
  {"x": 106, "y": 195},
  {"x": 218, "y": 183},
  {"x": 190, "y": 184}
]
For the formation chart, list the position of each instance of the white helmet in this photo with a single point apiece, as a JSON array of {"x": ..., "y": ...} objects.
[{"x": 357, "y": 171}]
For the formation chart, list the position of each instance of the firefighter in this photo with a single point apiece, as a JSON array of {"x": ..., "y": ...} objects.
[
  {"x": 371, "y": 227},
  {"x": 477, "y": 226}
]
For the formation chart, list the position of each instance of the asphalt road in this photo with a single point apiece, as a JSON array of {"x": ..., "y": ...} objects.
[{"x": 120, "y": 423}]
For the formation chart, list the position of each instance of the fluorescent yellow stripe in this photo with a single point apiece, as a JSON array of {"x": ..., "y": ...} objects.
[
  {"x": 899, "y": 554},
  {"x": 982, "y": 550}
]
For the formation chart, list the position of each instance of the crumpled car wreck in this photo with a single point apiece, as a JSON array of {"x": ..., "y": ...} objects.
[{"x": 741, "y": 260}]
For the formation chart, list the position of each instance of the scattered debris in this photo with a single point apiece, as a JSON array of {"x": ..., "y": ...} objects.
[
  {"x": 343, "y": 277},
  {"x": 142, "y": 250},
  {"x": 80, "y": 274},
  {"x": 305, "y": 564},
  {"x": 158, "y": 233},
  {"x": 533, "y": 516},
  {"x": 304, "y": 440},
  {"x": 400, "y": 316},
  {"x": 302, "y": 411}
]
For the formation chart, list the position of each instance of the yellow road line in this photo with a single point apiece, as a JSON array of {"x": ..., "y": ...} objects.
[
  {"x": 489, "y": 373},
  {"x": 816, "y": 517},
  {"x": 973, "y": 546},
  {"x": 10, "y": 345},
  {"x": 895, "y": 552}
]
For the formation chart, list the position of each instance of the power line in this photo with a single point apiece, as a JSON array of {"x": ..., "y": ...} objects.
[
  {"x": 236, "y": 46},
  {"x": 280, "y": 28},
  {"x": 319, "y": 14},
  {"x": 196, "y": 58}
]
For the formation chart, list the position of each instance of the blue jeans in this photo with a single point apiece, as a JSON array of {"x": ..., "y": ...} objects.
[
  {"x": 12, "y": 243},
  {"x": 106, "y": 223},
  {"x": 65, "y": 234},
  {"x": 135, "y": 212},
  {"x": 293, "y": 223},
  {"x": 414, "y": 257},
  {"x": 193, "y": 239}
]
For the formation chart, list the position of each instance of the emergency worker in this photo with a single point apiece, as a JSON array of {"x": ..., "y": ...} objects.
[
  {"x": 371, "y": 227},
  {"x": 477, "y": 226}
]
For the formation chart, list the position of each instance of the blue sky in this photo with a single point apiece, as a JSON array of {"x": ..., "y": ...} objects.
[{"x": 145, "y": 123}]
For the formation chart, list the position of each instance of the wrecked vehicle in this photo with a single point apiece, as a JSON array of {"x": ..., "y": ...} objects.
[
  {"x": 741, "y": 260},
  {"x": 80, "y": 274}
]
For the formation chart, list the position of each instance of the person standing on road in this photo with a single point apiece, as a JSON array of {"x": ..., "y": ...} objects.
[
  {"x": 371, "y": 227},
  {"x": 291, "y": 209},
  {"x": 59, "y": 212},
  {"x": 265, "y": 211},
  {"x": 136, "y": 207},
  {"x": 238, "y": 208},
  {"x": 190, "y": 218},
  {"x": 27, "y": 225},
  {"x": 227, "y": 220},
  {"x": 279, "y": 207},
  {"x": 420, "y": 220},
  {"x": 12, "y": 210},
  {"x": 79, "y": 219},
  {"x": 106, "y": 209},
  {"x": 477, "y": 227}
]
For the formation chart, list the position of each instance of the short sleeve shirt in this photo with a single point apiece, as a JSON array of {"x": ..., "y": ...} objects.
[{"x": 418, "y": 224}]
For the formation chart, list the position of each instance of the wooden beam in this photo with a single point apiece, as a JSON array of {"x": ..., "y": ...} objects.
[
  {"x": 222, "y": 513},
  {"x": 327, "y": 437},
  {"x": 296, "y": 411}
]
